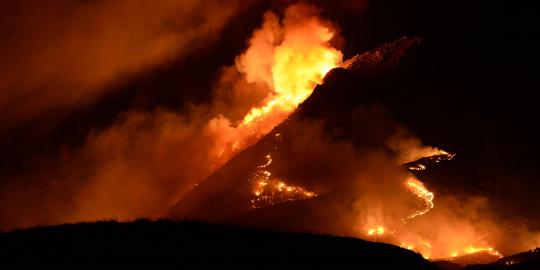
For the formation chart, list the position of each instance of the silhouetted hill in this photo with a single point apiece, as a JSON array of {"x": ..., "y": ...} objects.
[
  {"x": 188, "y": 242},
  {"x": 194, "y": 242},
  {"x": 524, "y": 260}
]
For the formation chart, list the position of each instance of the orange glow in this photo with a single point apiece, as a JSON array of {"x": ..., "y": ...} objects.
[
  {"x": 299, "y": 63},
  {"x": 472, "y": 250},
  {"x": 289, "y": 57},
  {"x": 416, "y": 187},
  {"x": 407, "y": 246},
  {"x": 269, "y": 191},
  {"x": 451, "y": 242},
  {"x": 379, "y": 231},
  {"x": 490, "y": 250}
]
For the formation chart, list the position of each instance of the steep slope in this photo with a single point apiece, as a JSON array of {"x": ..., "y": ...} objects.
[
  {"x": 310, "y": 173},
  {"x": 228, "y": 192}
]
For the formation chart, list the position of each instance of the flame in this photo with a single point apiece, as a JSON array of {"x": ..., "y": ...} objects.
[
  {"x": 379, "y": 231},
  {"x": 419, "y": 167},
  {"x": 289, "y": 57},
  {"x": 472, "y": 250},
  {"x": 417, "y": 187},
  {"x": 413, "y": 240},
  {"x": 490, "y": 250},
  {"x": 271, "y": 191},
  {"x": 300, "y": 62}
]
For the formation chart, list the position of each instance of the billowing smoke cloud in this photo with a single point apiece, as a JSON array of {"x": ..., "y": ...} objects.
[
  {"x": 139, "y": 166},
  {"x": 67, "y": 53},
  {"x": 408, "y": 147}
]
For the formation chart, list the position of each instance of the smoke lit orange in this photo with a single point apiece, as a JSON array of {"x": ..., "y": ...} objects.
[{"x": 300, "y": 58}]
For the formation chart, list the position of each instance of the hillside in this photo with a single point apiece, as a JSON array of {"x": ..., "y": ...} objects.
[{"x": 193, "y": 243}]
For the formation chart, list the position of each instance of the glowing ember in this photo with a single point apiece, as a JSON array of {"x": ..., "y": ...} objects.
[
  {"x": 443, "y": 156},
  {"x": 423, "y": 163},
  {"x": 418, "y": 167},
  {"x": 460, "y": 255}
]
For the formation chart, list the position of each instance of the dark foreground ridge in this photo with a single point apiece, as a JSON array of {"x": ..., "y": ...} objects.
[
  {"x": 192, "y": 242},
  {"x": 198, "y": 243},
  {"x": 188, "y": 242}
]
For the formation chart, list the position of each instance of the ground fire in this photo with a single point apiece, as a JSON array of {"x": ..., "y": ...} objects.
[
  {"x": 293, "y": 83},
  {"x": 296, "y": 134}
]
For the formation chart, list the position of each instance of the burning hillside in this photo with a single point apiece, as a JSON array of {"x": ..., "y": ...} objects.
[
  {"x": 293, "y": 119},
  {"x": 301, "y": 161}
]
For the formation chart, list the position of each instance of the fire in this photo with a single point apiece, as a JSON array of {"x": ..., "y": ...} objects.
[
  {"x": 490, "y": 250},
  {"x": 416, "y": 241},
  {"x": 290, "y": 56},
  {"x": 269, "y": 191},
  {"x": 416, "y": 187},
  {"x": 422, "y": 163},
  {"x": 379, "y": 231},
  {"x": 301, "y": 58},
  {"x": 419, "y": 167},
  {"x": 287, "y": 56},
  {"x": 407, "y": 246},
  {"x": 472, "y": 250}
]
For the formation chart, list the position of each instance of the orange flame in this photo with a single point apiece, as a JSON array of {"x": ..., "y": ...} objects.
[
  {"x": 379, "y": 231},
  {"x": 473, "y": 249},
  {"x": 433, "y": 248},
  {"x": 269, "y": 191},
  {"x": 300, "y": 61},
  {"x": 289, "y": 57},
  {"x": 415, "y": 186}
]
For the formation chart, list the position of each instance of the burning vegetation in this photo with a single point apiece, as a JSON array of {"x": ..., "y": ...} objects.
[
  {"x": 383, "y": 200},
  {"x": 280, "y": 135}
]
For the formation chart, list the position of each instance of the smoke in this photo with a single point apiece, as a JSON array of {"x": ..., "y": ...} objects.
[
  {"x": 141, "y": 164},
  {"x": 409, "y": 148},
  {"x": 67, "y": 53},
  {"x": 362, "y": 191}
]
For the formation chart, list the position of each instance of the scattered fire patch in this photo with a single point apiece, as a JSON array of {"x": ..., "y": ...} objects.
[{"x": 267, "y": 191}]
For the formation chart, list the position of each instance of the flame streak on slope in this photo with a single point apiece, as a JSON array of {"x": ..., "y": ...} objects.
[
  {"x": 489, "y": 250},
  {"x": 415, "y": 242},
  {"x": 300, "y": 54},
  {"x": 472, "y": 249},
  {"x": 424, "y": 249},
  {"x": 441, "y": 155},
  {"x": 418, "y": 167},
  {"x": 289, "y": 57},
  {"x": 269, "y": 191},
  {"x": 418, "y": 188}
]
